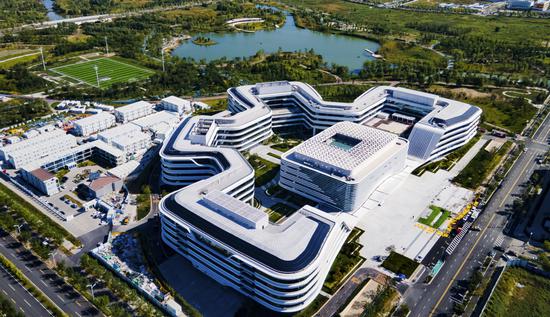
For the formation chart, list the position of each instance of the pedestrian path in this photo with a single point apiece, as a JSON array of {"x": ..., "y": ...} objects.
[{"x": 452, "y": 246}]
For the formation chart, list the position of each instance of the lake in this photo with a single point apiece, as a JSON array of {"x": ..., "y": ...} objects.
[
  {"x": 52, "y": 16},
  {"x": 339, "y": 49}
]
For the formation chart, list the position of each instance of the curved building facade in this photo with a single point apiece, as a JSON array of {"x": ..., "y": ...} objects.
[
  {"x": 209, "y": 219},
  {"x": 209, "y": 222}
]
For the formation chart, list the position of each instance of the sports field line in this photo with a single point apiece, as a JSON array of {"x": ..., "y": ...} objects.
[
  {"x": 63, "y": 74},
  {"x": 136, "y": 67}
]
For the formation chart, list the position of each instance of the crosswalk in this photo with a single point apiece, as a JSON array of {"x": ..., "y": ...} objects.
[
  {"x": 499, "y": 240},
  {"x": 452, "y": 246}
]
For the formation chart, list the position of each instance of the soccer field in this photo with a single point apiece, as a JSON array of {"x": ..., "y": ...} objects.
[{"x": 110, "y": 71}]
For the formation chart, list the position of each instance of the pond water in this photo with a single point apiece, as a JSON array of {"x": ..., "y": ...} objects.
[
  {"x": 339, "y": 49},
  {"x": 52, "y": 16}
]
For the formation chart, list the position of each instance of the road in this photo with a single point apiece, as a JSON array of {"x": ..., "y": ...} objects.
[
  {"x": 101, "y": 17},
  {"x": 342, "y": 295},
  {"x": 24, "y": 301},
  {"x": 46, "y": 280},
  {"x": 434, "y": 299}
]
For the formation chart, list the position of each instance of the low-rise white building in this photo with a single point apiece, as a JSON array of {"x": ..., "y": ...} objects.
[
  {"x": 93, "y": 124},
  {"x": 132, "y": 143},
  {"x": 341, "y": 166},
  {"x": 176, "y": 104},
  {"x": 133, "y": 111},
  {"x": 35, "y": 148},
  {"x": 159, "y": 123},
  {"x": 41, "y": 179},
  {"x": 109, "y": 135}
]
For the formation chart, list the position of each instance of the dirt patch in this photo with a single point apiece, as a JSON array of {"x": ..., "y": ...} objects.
[{"x": 463, "y": 93}]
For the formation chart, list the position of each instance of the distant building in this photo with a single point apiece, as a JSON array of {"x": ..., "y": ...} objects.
[
  {"x": 104, "y": 185},
  {"x": 133, "y": 111},
  {"x": 176, "y": 104},
  {"x": 342, "y": 165},
  {"x": 41, "y": 179},
  {"x": 542, "y": 5},
  {"x": 93, "y": 124},
  {"x": 519, "y": 4}
]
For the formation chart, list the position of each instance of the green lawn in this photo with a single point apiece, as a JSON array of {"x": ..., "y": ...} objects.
[
  {"x": 264, "y": 170},
  {"x": 280, "y": 210},
  {"x": 400, "y": 264},
  {"x": 436, "y": 217},
  {"x": 347, "y": 259},
  {"x": 473, "y": 175},
  {"x": 520, "y": 293},
  {"x": 110, "y": 71}
]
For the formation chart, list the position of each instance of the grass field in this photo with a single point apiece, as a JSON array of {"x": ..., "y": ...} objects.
[
  {"x": 520, "y": 293},
  {"x": 110, "y": 71}
]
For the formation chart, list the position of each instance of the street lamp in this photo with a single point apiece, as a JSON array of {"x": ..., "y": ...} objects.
[
  {"x": 19, "y": 227},
  {"x": 91, "y": 286},
  {"x": 96, "y": 75}
]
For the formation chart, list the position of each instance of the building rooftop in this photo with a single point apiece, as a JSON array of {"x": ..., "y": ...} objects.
[
  {"x": 156, "y": 118},
  {"x": 119, "y": 130},
  {"x": 131, "y": 138},
  {"x": 95, "y": 118},
  {"x": 134, "y": 106},
  {"x": 177, "y": 101},
  {"x": 102, "y": 181},
  {"x": 343, "y": 148},
  {"x": 42, "y": 174}
]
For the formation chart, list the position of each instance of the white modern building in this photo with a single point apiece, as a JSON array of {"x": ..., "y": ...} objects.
[
  {"x": 343, "y": 165},
  {"x": 176, "y": 104},
  {"x": 37, "y": 147},
  {"x": 519, "y": 4},
  {"x": 94, "y": 123},
  {"x": 283, "y": 266},
  {"x": 133, "y": 111}
]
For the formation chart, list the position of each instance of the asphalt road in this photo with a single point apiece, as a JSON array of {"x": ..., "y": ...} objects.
[
  {"x": 24, "y": 301},
  {"x": 434, "y": 299},
  {"x": 60, "y": 293}
]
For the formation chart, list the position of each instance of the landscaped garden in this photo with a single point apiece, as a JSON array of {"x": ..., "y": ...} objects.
[
  {"x": 264, "y": 170},
  {"x": 400, "y": 264},
  {"x": 278, "y": 211},
  {"x": 347, "y": 259},
  {"x": 436, "y": 217},
  {"x": 475, "y": 173}
]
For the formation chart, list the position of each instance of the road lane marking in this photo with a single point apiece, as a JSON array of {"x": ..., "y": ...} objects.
[
  {"x": 22, "y": 310},
  {"x": 78, "y": 303},
  {"x": 462, "y": 265},
  {"x": 62, "y": 300},
  {"x": 5, "y": 292},
  {"x": 515, "y": 183},
  {"x": 43, "y": 282},
  {"x": 27, "y": 302},
  {"x": 12, "y": 300},
  {"x": 11, "y": 287}
]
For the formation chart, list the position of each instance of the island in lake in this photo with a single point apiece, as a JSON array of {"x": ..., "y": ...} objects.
[{"x": 204, "y": 41}]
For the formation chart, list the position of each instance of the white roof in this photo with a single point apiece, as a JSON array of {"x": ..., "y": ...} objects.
[
  {"x": 177, "y": 101},
  {"x": 95, "y": 118},
  {"x": 131, "y": 138},
  {"x": 346, "y": 149},
  {"x": 134, "y": 106},
  {"x": 119, "y": 130},
  {"x": 122, "y": 171},
  {"x": 156, "y": 118}
]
